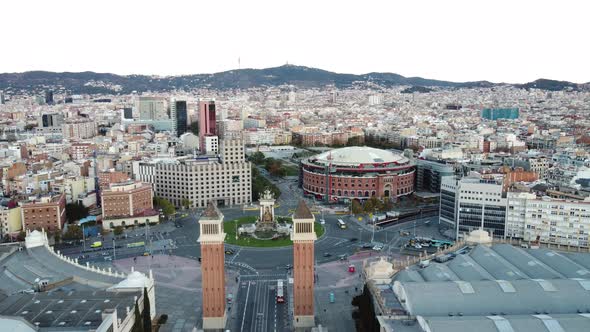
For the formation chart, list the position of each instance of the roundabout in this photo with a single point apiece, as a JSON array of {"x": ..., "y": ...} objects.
[{"x": 259, "y": 240}]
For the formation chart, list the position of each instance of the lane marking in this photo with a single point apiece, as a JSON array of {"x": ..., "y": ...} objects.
[{"x": 245, "y": 307}]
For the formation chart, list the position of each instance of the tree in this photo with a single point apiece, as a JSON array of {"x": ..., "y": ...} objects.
[
  {"x": 369, "y": 206},
  {"x": 74, "y": 232},
  {"x": 356, "y": 206},
  {"x": 76, "y": 211},
  {"x": 118, "y": 230},
  {"x": 57, "y": 236},
  {"x": 147, "y": 319},
  {"x": 257, "y": 158},
  {"x": 186, "y": 203},
  {"x": 137, "y": 326},
  {"x": 166, "y": 206}
]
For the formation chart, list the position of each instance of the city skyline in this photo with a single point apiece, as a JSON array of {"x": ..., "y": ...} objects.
[{"x": 457, "y": 41}]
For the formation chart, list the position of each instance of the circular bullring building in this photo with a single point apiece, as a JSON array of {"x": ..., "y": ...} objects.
[{"x": 357, "y": 172}]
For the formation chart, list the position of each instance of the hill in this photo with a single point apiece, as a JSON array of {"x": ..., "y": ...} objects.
[{"x": 96, "y": 83}]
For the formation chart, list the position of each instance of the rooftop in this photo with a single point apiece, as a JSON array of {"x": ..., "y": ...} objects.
[{"x": 354, "y": 155}]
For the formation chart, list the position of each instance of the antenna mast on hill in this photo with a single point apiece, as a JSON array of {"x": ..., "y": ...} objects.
[{"x": 239, "y": 66}]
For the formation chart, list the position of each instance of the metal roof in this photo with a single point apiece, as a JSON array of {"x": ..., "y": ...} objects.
[{"x": 557, "y": 296}]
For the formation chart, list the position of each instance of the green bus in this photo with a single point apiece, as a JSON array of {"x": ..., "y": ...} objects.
[{"x": 136, "y": 244}]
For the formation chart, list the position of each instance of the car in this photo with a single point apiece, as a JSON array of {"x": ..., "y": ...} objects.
[
  {"x": 367, "y": 246},
  {"x": 378, "y": 247},
  {"x": 288, "y": 266},
  {"x": 146, "y": 253},
  {"x": 322, "y": 222},
  {"x": 404, "y": 233},
  {"x": 108, "y": 258},
  {"x": 354, "y": 239},
  {"x": 343, "y": 257},
  {"x": 229, "y": 252},
  {"x": 327, "y": 254}
]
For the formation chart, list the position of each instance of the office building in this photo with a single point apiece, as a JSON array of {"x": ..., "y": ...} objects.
[
  {"x": 50, "y": 120},
  {"x": 151, "y": 108},
  {"x": 128, "y": 113},
  {"x": 128, "y": 203},
  {"x": 47, "y": 212},
  {"x": 179, "y": 116},
  {"x": 49, "y": 97},
  {"x": 207, "y": 120},
  {"x": 479, "y": 203},
  {"x": 500, "y": 113},
  {"x": 213, "y": 267},
  {"x": 2, "y": 98},
  {"x": 429, "y": 174},
  {"x": 224, "y": 179}
]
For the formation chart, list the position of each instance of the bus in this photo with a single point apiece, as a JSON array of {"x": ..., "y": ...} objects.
[
  {"x": 135, "y": 244},
  {"x": 96, "y": 244},
  {"x": 280, "y": 295},
  {"x": 341, "y": 224}
]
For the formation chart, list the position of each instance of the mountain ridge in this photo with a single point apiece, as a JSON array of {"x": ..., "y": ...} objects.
[{"x": 93, "y": 82}]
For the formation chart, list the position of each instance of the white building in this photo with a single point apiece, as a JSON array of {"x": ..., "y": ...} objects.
[
  {"x": 554, "y": 221},
  {"x": 474, "y": 202},
  {"x": 79, "y": 130},
  {"x": 211, "y": 145},
  {"x": 226, "y": 178}
]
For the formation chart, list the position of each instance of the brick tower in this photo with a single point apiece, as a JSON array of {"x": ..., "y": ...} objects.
[
  {"x": 212, "y": 267},
  {"x": 303, "y": 237}
]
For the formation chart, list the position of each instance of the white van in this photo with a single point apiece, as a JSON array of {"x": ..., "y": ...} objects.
[{"x": 341, "y": 224}]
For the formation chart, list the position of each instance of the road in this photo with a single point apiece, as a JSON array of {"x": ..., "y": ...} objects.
[{"x": 258, "y": 310}]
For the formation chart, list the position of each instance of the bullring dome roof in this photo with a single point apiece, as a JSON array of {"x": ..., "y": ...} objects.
[{"x": 355, "y": 155}]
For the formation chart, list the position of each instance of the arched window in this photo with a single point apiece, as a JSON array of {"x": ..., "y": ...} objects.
[{"x": 366, "y": 194}]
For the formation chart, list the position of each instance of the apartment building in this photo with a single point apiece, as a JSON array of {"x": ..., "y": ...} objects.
[
  {"x": 551, "y": 220},
  {"x": 226, "y": 178},
  {"x": 78, "y": 130},
  {"x": 10, "y": 220},
  {"x": 47, "y": 212},
  {"x": 128, "y": 203}
]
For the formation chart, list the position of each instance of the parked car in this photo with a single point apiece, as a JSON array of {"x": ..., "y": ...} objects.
[
  {"x": 327, "y": 254},
  {"x": 229, "y": 252}
]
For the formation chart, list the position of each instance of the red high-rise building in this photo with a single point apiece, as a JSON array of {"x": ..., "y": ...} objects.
[
  {"x": 212, "y": 268},
  {"x": 303, "y": 237},
  {"x": 207, "y": 121}
]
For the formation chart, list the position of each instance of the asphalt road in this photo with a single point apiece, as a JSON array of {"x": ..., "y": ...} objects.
[{"x": 258, "y": 310}]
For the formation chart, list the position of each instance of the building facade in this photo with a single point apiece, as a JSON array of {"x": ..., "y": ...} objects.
[
  {"x": 224, "y": 179},
  {"x": 549, "y": 220},
  {"x": 213, "y": 268},
  {"x": 303, "y": 237},
  {"x": 78, "y": 130},
  {"x": 207, "y": 120},
  {"x": 128, "y": 203},
  {"x": 429, "y": 174},
  {"x": 479, "y": 203},
  {"x": 500, "y": 113},
  {"x": 48, "y": 213},
  {"x": 357, "y": 173},
  {"x": 178, "y": 114}
]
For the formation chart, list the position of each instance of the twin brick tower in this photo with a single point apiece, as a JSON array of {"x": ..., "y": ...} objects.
[{"x": 213, "y": 269}]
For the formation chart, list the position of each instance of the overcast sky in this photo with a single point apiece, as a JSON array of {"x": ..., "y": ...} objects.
[{"x": 500, "y": 41}]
